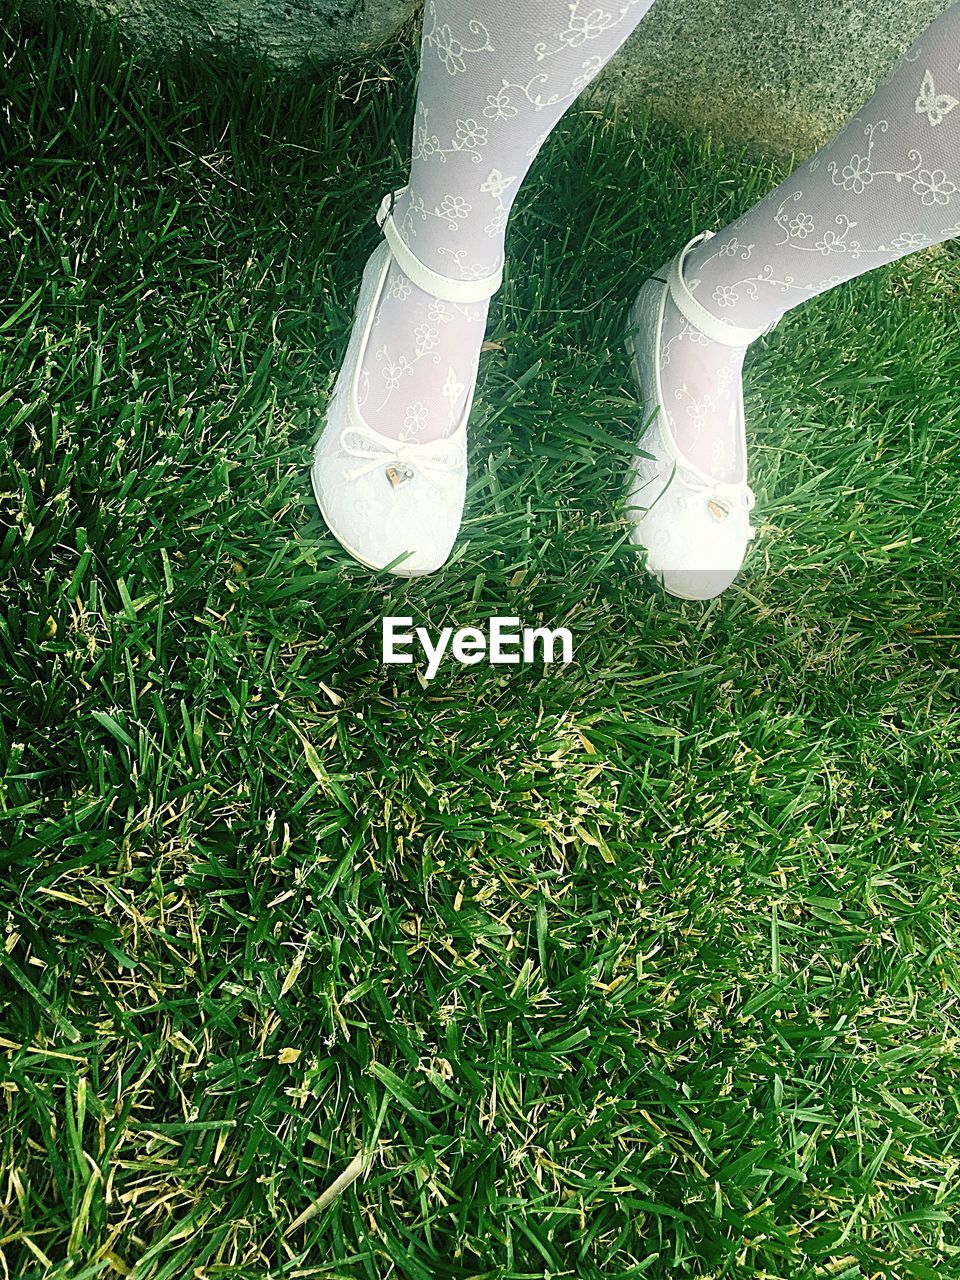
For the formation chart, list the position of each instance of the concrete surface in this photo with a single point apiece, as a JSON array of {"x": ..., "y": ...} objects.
[
  {"x": 786, "y": 73},
  {"x": 287, "y": 33}
]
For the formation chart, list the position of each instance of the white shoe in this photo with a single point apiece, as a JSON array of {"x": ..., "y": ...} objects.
[
  {"x": 695, "y": 529},
  {"x": 393, "y": 504}
]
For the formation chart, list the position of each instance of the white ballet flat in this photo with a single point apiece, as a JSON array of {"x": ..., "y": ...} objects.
[
  {"x": 695, "y": 529},
  {"x": 392, "y": 504}
]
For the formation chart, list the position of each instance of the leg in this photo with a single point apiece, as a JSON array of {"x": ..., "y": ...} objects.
[
  {"x": 495, "y": 77},
  {"x": 390, "y": 469},
  {"x": 888, "y": 183}
]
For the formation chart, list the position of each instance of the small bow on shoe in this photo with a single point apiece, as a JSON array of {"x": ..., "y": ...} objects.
[
  {"x": 400, "y": 459},
  {"x": 720, "y": 496}
]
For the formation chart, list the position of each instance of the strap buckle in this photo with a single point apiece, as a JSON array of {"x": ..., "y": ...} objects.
[{"x": 387, "y": 206}]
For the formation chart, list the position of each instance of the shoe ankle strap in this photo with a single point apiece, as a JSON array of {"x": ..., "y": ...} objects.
[
  {"x": 693, "y": 311},
  {"x": 440, "y": 286}
]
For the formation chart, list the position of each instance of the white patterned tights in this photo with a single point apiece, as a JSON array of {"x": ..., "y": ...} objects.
[
  {"x": 495, "y": 78},
  {"x": 888, "y": 183}
]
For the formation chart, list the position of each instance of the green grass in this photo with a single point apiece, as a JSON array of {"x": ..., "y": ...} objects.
[{"x": 642, "y": 967}]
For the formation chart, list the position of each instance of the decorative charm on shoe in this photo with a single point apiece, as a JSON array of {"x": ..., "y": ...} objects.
[
  {"x": 722, "y": 499},
  {"x": 399, "y": 475},
  {"x": 401, "y": 460}
]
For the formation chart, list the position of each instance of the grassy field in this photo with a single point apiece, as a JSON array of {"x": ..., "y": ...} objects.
[{"x": 642, "y": 967}]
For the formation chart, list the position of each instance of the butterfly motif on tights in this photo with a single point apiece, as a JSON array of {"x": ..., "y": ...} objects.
[{"x": 932, "y": 104}]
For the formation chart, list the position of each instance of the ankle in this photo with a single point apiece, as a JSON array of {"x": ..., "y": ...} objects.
[
  {"x": 454, "y": 237},
  {"x": 701, "y": 388},
  {"x": 729, "y": 292},
  {"x": 420, "y": 361}
]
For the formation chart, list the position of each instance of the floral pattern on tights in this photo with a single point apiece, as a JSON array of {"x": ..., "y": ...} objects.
[
  {"x": 494, "y": 80},
  {"x": 886, "y": 185}
]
